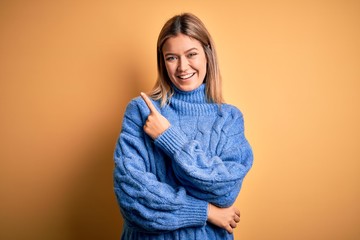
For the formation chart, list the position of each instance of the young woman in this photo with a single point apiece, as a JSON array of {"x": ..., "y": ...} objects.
[{"x": 182, "y": 156}]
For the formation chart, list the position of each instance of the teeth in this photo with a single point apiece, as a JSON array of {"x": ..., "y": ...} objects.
[{"x": 186, "y": 76}]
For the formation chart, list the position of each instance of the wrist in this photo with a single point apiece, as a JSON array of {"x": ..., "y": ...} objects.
[{"x": 209, "y": 212}]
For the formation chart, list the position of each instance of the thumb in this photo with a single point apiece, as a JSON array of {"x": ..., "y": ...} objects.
[{"x": 148, "y": 103}]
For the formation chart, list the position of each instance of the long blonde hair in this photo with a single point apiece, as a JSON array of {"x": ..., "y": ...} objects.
[{"x": 190, "y": 25}]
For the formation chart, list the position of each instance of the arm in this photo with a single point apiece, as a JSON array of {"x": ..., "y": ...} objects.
[
  {"x": 145, "y": 202},
  {"x": 216, "y": 179}
]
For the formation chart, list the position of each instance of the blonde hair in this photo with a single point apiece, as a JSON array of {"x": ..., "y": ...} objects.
[{"x": 190, "y": 25}]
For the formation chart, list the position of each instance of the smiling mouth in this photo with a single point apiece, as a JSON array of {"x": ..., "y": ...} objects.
[{"x": 186, "y": 76}]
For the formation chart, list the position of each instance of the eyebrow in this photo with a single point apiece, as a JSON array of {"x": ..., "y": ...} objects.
[{"x": 189, "y": 50}]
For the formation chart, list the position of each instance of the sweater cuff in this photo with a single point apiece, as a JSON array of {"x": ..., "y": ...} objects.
[
  {"x": 194, "y": 213},
  {"x": 171, "y": 141}
]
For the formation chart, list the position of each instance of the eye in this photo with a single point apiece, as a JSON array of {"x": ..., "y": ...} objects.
[
  {"x": 170, "y": 58},
  {"x": 192, "y": 54}
]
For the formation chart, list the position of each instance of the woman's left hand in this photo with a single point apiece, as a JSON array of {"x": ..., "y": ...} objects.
[
  {"x": 156, "y": 123},
  {"x": 226, "y": 218}
]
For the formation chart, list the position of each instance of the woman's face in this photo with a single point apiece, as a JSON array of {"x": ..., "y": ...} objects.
[{"x": 185, "y": 62}]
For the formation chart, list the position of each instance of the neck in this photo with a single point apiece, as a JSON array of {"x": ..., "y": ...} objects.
[
  {"x": 192, "y": 102},
  {"x": 197, "y": 95}
]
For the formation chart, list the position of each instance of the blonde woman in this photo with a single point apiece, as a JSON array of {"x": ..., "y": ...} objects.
[{"x": 182, "y": 155}]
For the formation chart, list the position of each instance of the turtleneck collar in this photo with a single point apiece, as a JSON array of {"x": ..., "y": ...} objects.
[
  {"x": 197, "y": 95},
  {"x": 192, "y": 102}
]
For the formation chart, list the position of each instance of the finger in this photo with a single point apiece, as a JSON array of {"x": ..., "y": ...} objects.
[
  {"x": 229, "y": 229},
  {"x": 233, "y": 224},
  {"x": 237, "y": 212},
  {"x": 237, "y": 218},
  {"x": 148, "y": 102}
]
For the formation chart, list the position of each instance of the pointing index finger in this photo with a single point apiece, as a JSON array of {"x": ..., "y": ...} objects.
[{"x": 148, "y": 102}]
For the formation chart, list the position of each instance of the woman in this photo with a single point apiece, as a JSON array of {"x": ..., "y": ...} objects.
[{"x": 181, "y": 157}]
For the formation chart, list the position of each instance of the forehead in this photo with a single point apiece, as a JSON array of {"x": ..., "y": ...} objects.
[{"x": 180, "y": 43}]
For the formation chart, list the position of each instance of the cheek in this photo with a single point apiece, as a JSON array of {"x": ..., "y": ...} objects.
[
  {"x": 170, "y": 67},
  {"x": 203, "y": 65}
]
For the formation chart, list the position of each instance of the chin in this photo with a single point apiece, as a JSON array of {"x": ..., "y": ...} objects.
[{"x": 187, "y": 88}]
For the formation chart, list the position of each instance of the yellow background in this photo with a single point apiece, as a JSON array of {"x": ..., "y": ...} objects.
[{"x": 68, "y": 69}]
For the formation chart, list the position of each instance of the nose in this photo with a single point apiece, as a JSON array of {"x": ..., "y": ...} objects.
[{"x": 182, "y": 64}]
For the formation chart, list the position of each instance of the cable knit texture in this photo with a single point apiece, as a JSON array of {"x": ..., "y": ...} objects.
[{"x": 163, "y": 187}]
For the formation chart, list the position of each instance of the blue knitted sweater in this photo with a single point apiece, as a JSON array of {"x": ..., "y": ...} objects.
[{"x": 163, "y": 186}]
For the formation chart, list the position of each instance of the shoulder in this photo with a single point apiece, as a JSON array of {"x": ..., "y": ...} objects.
[
  {"x": 135, "y": 115},
  {"x": 234, "y": 122},
  {"x": 230, "y": 111},
  {"x": 137, "y": 108},
  {"x": 135, "y": 112},
  {"x": 139, "y": 104}
]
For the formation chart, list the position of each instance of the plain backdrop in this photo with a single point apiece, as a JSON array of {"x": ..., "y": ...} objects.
[{"x": 69, "y": 68}]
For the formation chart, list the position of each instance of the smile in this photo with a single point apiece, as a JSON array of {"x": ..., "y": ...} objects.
[{"x": 183, "y": 77}]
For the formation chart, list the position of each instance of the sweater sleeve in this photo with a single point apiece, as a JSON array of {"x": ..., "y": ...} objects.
[
  {"x": 145, "y": 202},
  {"x": 216, "y": 179}
]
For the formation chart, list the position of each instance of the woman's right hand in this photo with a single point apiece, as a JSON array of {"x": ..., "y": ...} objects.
[
  {"x": 156, "y": 123},
  {"x": 226, "y": 218}
]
